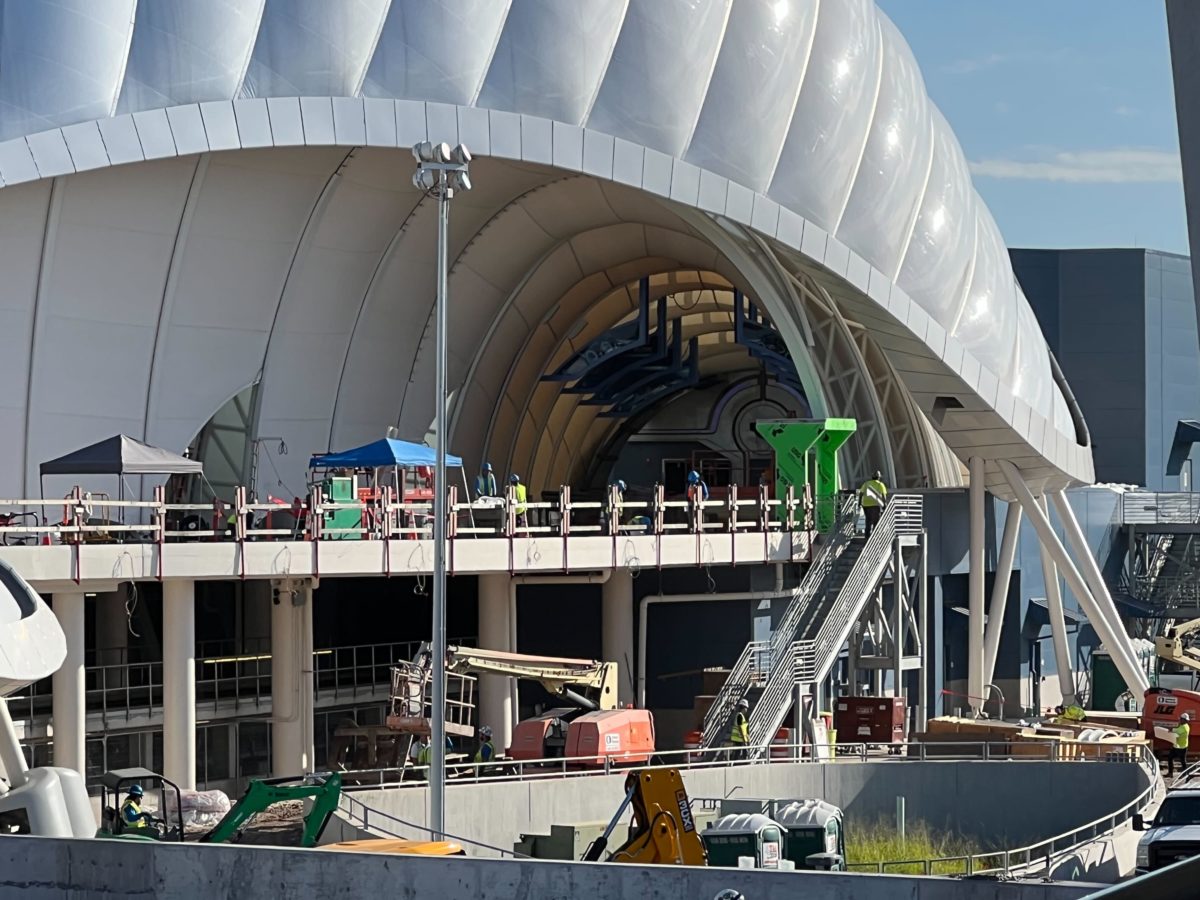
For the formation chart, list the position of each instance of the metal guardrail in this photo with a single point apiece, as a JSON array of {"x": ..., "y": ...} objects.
[
  {"x": 757, "y": 659},
  {"x": 1026, "y": 860},
  {"x": 83, "y": 518},
  {"x": 1039, "y": 858},
  {"x": 121, "y": 692},
  {"x": 1160, "y": 508}
]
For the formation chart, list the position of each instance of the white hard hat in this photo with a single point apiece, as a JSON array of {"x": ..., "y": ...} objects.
[
  {"x": 743, "y": 703},
  {"x": 1185, "y": 718},
  {"x": 486, "y": 731}
]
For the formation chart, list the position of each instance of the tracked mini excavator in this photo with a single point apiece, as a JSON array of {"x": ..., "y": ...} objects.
[{"x": 590, "y": 730}]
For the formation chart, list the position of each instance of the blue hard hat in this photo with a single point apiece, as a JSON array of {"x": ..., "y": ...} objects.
[
  {"x": 136, "y": 791},
  {"x": 487, "y": 467},
  {"x": 693, "y": 476},
  {"x": 620, "y": 485},
  {"x": 514, "y": 478}
]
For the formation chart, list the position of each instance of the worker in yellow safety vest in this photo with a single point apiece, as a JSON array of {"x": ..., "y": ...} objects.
[
  {"x": 1183, "y": 733},
  {"x": 487, "y": 750},
  {"x": 872, "y": 495},
  {"x": 739, "y": 733},
  {"x": 519, "y": 499},
  {"x": 1071, "y": 713}
]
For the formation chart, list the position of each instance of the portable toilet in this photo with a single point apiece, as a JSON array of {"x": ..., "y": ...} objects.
[
  {"x": 813, "y": 828},
  {"x": 744, "y": 834}
]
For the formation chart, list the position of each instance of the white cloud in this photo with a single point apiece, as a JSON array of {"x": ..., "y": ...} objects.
[
  {"x": 1120, "y": 165},
  {"x": 974, "y": 64}
]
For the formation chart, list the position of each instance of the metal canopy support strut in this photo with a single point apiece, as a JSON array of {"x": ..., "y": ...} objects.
[
  {"x": 1058, "y": 622},
  {"x": 1118, "y": 643},
  {"x": 1004, "y": 566},
  {"x": 975, "y": 561}
]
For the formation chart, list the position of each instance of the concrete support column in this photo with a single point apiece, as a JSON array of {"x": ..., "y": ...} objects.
[
  {"x": 616, "y": 630},
  {"x": 179, "y": 681},
  {"x": 975, "y": 623},
  {"x": 292, "y": 680},
  {"x": 495, "y": 630},
  {"x": 68, "y": 712},
  {"x": 1058, "y": 622}
]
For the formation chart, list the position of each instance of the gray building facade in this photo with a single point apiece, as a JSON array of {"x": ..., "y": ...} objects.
[{"x": 1122, "y": 324}]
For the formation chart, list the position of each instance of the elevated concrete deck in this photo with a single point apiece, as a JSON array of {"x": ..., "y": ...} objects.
[{"x": 93, "y": 566}]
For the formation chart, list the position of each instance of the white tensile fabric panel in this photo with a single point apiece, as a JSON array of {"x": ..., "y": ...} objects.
[
  {"x": 753, "y": 89},
  {"x": 895, "y": 162},
  {"x": 103, "y": 277},
  {"x": 552, "y": 56},
  {"x": 314, "y": 48},
  {"x": 188, "y": 52},
  {"x": 63, "y": 61},
  {"x": 230, "y": 272},
  {"x": 23, "y": 210},
  {"x": 656, "y": 81},
  {"x": 435, "y": 50},
  {"x": 938, "y": 261},
  {"x": 987, "y": 324},
  {"x": 1062, "y": 413},
  {"x": 338, "y": 256},
  {"x": 1031, "y": 380},
  {"x": 833, "y": 113}
]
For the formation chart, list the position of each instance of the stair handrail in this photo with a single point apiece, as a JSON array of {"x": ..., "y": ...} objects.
[
  {"x": 808, "y": 661},
  {"x": 738, "y": 682}
]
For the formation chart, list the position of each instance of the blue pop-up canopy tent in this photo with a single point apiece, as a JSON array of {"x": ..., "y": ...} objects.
[{"x": 381, "y": 453}]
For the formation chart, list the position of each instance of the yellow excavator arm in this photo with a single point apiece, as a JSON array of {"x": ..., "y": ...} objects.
[
  {"x": 1176, "y": 645},
  {"x": 663, "y": 831}
]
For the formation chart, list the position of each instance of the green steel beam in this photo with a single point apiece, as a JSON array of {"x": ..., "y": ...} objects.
[{"x": 806, "y": 453}]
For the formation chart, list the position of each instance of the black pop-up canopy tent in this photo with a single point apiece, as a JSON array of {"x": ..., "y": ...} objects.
[{"x": 120, "y": 455}]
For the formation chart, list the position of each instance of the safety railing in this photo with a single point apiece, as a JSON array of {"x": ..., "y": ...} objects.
[
  {"x": 122, "y": 692},
  {"x": 378, "y": 822},
  {"x": 1160, "y": 508},
  {"x": 757, "y": 659},
  {"x": 773, "y": 753},
  {"x": 1029, "y": 860},
  {"x": 1040, "y": 857},
  {"x": 808, "y": 660},
  {"x": 82, "y": 518}
]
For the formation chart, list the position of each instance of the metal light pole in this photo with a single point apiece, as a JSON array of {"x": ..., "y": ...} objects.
[{"x": 440, "y": 172}]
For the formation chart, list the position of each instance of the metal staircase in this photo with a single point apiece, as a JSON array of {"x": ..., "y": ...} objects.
[
  {"x": 750, "y": 672},
  {"x": 816, "y": 626}
]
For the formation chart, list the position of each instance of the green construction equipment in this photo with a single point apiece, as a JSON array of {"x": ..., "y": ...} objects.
[
  {"x": 806, "y": 453},
  {"x": 260, "y": 795}
]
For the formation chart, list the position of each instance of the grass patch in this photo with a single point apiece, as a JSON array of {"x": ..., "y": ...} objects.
[{"x": 879, "y": 842}]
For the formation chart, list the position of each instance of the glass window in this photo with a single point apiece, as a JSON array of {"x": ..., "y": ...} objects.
[
  {"x": 1179, "y": 811},
  {"x": 254, "y": 749},
  {"x": 213, "y": 753}
]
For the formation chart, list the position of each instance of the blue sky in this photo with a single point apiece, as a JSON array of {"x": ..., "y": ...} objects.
[{"x": 1065, "y": 110}]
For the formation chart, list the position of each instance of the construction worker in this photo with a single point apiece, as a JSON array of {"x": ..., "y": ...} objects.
[
  {"x": 485, "y": 483},
  {"x": 131, "y": 810},
  {"x": 872, "y": 495},
  {"x": 520, "y": 498},
  {"x": 424, "y": 757},
  {"x": 1070, "y": 713},
  {"x": 1183, "y": 733},
  {"x": 739, "y": 734},
  {"x": 697, "y": 493},
  {"x": 487, "y": 750}
]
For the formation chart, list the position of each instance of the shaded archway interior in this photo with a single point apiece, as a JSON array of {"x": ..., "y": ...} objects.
[{"x": 310, "y": 272}]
